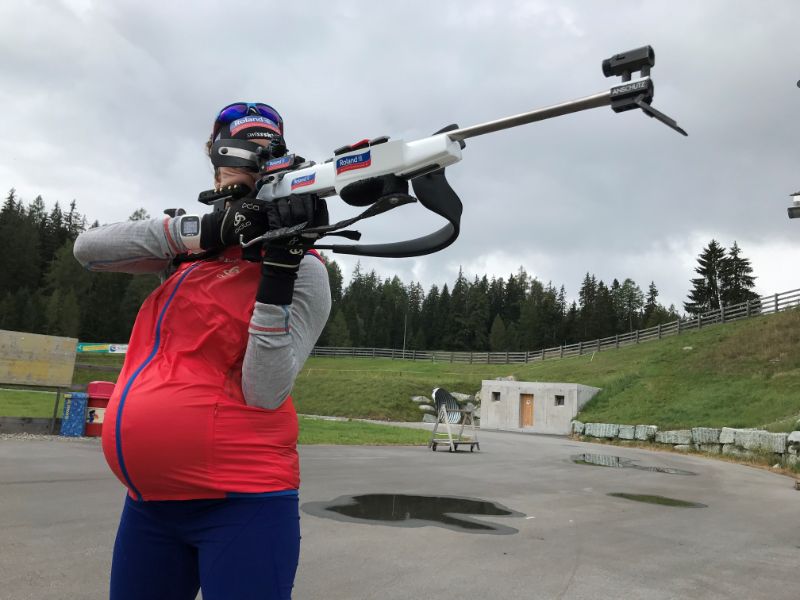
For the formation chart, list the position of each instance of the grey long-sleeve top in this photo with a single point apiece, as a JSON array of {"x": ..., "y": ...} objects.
[{"x": 272, "y": 360}]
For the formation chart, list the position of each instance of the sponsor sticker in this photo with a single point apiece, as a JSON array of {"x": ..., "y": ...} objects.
[
  {"x": 248, "y": 122},
  {"x": 304, "y": 181},
  {"x": 276, "y": 164},
  {"x": 103, "y": 348},
  {"x": 95, "y": 415},
  {"x": 356, "y": 161}
]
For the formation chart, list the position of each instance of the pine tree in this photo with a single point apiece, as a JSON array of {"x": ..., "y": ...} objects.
[
  {"x": 587, "y": 298},
  {"x": 570, "y": 329},
  {"x": 457, "y": 332},
  {"x": 63, "y": 314},
  {"x": 736, "y": 278},
  {"x": 706, "y": 289},
  {"x": 477, "y": 319},
  {"x": 337, "y": 334},
  {"x": 515, "y": 291},
  {"x": 632, "y": 303},
  {"x": 650, "y": 303},
  {"x": 604, "y": 318},
  {"x": 140, "y": 214},
  {"x": 498, "y": 338},
  {"x": 65, "y": 273},
  {"x": 428, "y": 318},
  {"x": 496, "y": 297},
  {"x": 138, "y": 289},
  {"x": 19, "y": 261},
  {"x": 73, "y": 222},
  {"x": 8, "y": 317},
  {"x": 336, "y": 280},
  {"x": 441, "y": 340},
  {"x": 9, "y": 205}
]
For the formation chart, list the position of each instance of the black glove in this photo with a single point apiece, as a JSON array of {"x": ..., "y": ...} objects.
[
  {"x": 242, "y": 220},
  {"x": 282, "y": 256}
]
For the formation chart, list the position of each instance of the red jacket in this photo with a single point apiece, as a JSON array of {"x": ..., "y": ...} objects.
[{"x": 177, "y": 426}]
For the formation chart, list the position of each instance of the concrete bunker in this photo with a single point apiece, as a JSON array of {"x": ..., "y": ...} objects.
[{"x": 532, "y": 406}]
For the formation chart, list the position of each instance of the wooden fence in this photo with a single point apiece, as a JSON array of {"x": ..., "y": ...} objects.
[{"x": 764, "y": 305}]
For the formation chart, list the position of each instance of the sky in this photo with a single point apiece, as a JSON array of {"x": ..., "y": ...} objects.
[{"x": 110, "y": 104}]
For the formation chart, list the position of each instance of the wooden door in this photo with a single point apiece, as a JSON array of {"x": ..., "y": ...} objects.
[{"x": 526, "y": 410}]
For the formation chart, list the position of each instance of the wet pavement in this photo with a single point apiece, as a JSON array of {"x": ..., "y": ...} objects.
[
  {"x": 617, "y": 462},
  {"x": 402, "y": 510},
  {"x": 566, "y": 536}
]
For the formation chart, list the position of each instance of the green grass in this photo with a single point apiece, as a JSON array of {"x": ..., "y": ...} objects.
[
  {"x": 743, "y": 374},
  {"x": 380, "y": 388},
  {"x": 26, "y": 403},
  {"x": 318, "y": 431}
]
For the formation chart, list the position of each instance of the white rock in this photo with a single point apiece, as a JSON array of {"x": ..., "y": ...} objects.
[
  {"x": 461, "y": 397},
  {"x": 420, "y": 399},
  {"x": 601, "y": 430},
  {"x": 578, "y": 427},
  {"x": 755, "y": 439},
  {"x": 727, "y": 435},
  {"x": 675, "y": 436},
  {"x": 427, "y": 408},
  {"x": 627, "y": 432},
  {"x": 645, "y": 432},
  {"x": 507, "y": 378},
  {"x": 710, "y": 448},
  {"x": 705, "y": 435},
  {"x": 683, "y": 447},
  {"x": 732, "y": 450},
  {"x": 794, "y": 437}
]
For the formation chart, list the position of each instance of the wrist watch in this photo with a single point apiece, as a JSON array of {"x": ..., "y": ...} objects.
[{"x": 189, "y": 231}]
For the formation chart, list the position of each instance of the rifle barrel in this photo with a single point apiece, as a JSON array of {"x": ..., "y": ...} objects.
[{"x": 539, "y": 114}]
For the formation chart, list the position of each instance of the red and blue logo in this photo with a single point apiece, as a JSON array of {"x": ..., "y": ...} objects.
[
  {"x": 351, "y": 163},
  {"x": 276, "y": 164},
  {"x": 249, "y": 122},
  {"x": 304, "y": 181}
]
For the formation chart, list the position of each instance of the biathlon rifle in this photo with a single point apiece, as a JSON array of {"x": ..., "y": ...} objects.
[{"x": 375, "y": 172}]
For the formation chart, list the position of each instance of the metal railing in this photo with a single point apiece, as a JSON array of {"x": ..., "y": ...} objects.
[{"x": 765, "y": 305}]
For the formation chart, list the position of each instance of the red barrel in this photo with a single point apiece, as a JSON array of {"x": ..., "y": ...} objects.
[{"x": 99, "y": 392}]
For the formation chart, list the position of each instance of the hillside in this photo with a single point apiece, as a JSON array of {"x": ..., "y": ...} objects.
[{"x": 742, "y": 374}]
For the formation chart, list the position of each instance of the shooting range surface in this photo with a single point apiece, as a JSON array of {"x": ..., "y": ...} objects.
[{"x": 573, "y": 541}]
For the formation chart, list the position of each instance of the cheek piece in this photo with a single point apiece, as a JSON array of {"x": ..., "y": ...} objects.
[{"x": 240, "y": 154}]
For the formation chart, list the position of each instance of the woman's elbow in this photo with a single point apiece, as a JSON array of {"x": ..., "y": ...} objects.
[
  {"x": 269, "y": 401},
  {"x": 81, "y": 250}
]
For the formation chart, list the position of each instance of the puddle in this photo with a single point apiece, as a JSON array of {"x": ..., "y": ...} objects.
[
  {"x": 401, "y": 510},
  {"x": 662, "y": 500},
  {"x": 605, "y": 460}
]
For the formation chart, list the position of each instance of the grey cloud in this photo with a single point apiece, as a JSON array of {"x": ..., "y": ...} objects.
[{"x": 111, "y": 104}]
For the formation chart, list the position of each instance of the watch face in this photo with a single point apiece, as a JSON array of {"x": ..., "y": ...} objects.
[{"x": 190, "y": 226}]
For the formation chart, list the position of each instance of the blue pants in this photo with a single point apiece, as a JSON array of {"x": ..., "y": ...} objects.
[{"x": 243, "y": 547}]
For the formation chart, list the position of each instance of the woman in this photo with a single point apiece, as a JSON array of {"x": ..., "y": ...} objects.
[{"x": 201, "y": 428}]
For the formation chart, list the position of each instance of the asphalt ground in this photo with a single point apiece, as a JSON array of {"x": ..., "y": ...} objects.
[{"x": 567, "y": 538}]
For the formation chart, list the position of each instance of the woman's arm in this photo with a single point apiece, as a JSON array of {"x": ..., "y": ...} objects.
[
  {"x": 130, "y": 247},
  {"x": 282, "y": 337}
]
